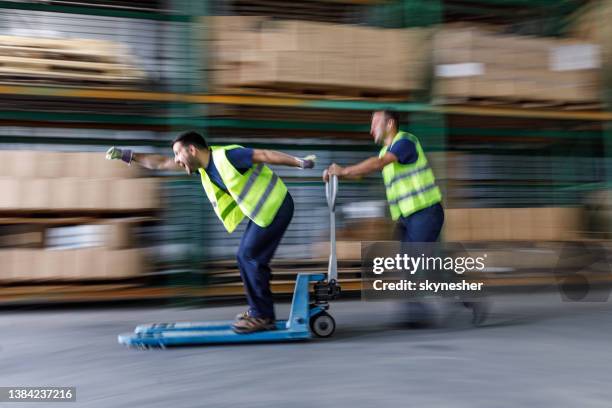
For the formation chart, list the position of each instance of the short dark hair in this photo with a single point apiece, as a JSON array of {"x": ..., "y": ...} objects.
[
  {"x": 391, "y": 114},
  {"x": 191, "y": 138}
]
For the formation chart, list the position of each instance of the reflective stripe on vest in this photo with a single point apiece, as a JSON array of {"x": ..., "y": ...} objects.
[
  {"x": 258, "y": 193},
  {"x": 409, "y": 187},
  {"x": 402, "y": 176}
]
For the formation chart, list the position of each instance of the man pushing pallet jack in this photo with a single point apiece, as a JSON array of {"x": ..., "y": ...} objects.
[
  {"x": 238, "y": 183},
  {"x": 415, "y": 201}
]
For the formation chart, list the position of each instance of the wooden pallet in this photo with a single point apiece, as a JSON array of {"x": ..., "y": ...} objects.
[
  {"x": 520, "y": 103},
  {"x": 56, "y": 53},
  {"x": 292, "y": 90},
  {"x": 356, "y": 117},
  {"x": 327, "y": 11},
  {"x": 65, "y": 60},
  {"x": 17, "y": 67}
]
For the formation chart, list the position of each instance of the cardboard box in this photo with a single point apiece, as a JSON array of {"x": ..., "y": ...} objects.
[
  {"x": 65, "y": 194},
  {"x": 226, "y": 27},
  {"x": 125, "y": 263},
  {"x": 94, "y": 193},
  {"x": 371, "y": 42},
  {"x": 134, "y": 194},
  {"x": 567, "y": 223},
  {"x": 367, "y": 229},
  {"x": 521, "y": 222},
  {"x": 454, "y": 88},
  {"x": 371, "y": 76},
  {"x": 10, "y": 188},
  {"x": 456, "y": 225},
  {"x": 283, "y": 67},
  {"x": 338, "y": 39},
  {"x": 53, "y": 165},
  {"x": 5, "y": 163},
  {"x": 34, "y": 194},
  {"x": 57, "y": 265},
  {"x": 26, "y": 265},
  {"x": 484, "y": 224},
  {"x": 484, "y": 88},
  {"x": 119, "y": 233},
  {"x": 225, "y": 77},
  {"x": 23, "y": 163},
  {"x": 228, "y": 50},
  {"x": 53, "y": 264},
  {"x": 68, "y": 264},
  {"x": 345, "y": 250},
  {"x": 338, "y": 70},
  {"x": 90, "y": 263},
  {"x": 296, "y": 35},
  {"x": 6, "y": 263},
  {"x": 514, "y": 67}
]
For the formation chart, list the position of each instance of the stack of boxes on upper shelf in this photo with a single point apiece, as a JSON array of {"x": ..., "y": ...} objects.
[
  {"x": 309, "y": 56},
  {"x": 71, "y": 216},
  {"x": 475, "y": 63},
  {"x": 301, "y": 57}
]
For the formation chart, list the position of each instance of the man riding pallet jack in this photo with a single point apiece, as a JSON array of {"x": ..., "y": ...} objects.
[
  {"x": 413, "y": 196},
  {"x": 238, "y": 183}
]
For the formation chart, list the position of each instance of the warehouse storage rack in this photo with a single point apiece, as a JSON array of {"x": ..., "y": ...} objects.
[{"x": 568, "y": 149}]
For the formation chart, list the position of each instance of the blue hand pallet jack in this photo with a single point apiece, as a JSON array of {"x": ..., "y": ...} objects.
[{"x": 308, "y": 315}]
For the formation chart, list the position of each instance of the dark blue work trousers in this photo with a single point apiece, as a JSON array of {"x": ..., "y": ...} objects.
[
  {"x": 422, "y": 226},
  {"x": 256, "y": 250}
]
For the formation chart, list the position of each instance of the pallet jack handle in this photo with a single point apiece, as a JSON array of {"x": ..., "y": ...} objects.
[{"x": 331, "y": 190}]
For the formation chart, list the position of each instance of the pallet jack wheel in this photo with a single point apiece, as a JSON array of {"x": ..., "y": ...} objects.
[{"x": 322, "y": 324}]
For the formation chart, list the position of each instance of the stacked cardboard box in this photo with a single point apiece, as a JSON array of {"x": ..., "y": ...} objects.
[
  {"x": 345, "y": 250},
  {"x": 229, "y": 38},
  {"x": 254, "y": 52},
  {"x": 53, "y": 248},
  {"x": 474, "y": 63},
  {"x": 100, "y": 250},
  {"x": 508, "y": 224},
  {"x": 72, "y": 181},
  {"x": 591, "y": 23},
  {"x": 96, "y": 263}
]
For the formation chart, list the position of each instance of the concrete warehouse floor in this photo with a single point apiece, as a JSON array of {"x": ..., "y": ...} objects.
[{"x": 535, "y": 351}]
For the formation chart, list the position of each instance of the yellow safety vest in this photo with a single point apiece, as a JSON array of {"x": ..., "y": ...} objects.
[
  {"x": 410, "y": 187},
  {"x": 258, "y": 193}
]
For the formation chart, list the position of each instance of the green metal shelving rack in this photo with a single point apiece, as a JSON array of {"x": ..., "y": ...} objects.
[{"x": 185, "y": 105}]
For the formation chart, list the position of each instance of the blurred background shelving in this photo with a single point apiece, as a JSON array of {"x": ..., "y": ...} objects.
[{"x": 510, "y": 98}]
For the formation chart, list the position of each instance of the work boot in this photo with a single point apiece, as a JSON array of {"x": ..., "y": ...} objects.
[
  {"x": 251, "y": 324},
  {"x": 243, "y": 315}
]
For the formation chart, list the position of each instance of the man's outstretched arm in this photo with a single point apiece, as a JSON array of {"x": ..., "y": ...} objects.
[
  {"x": 360, "y": 169},
  {"x": 146, "y": 160},
  {"x": 283, "y": 159}
]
